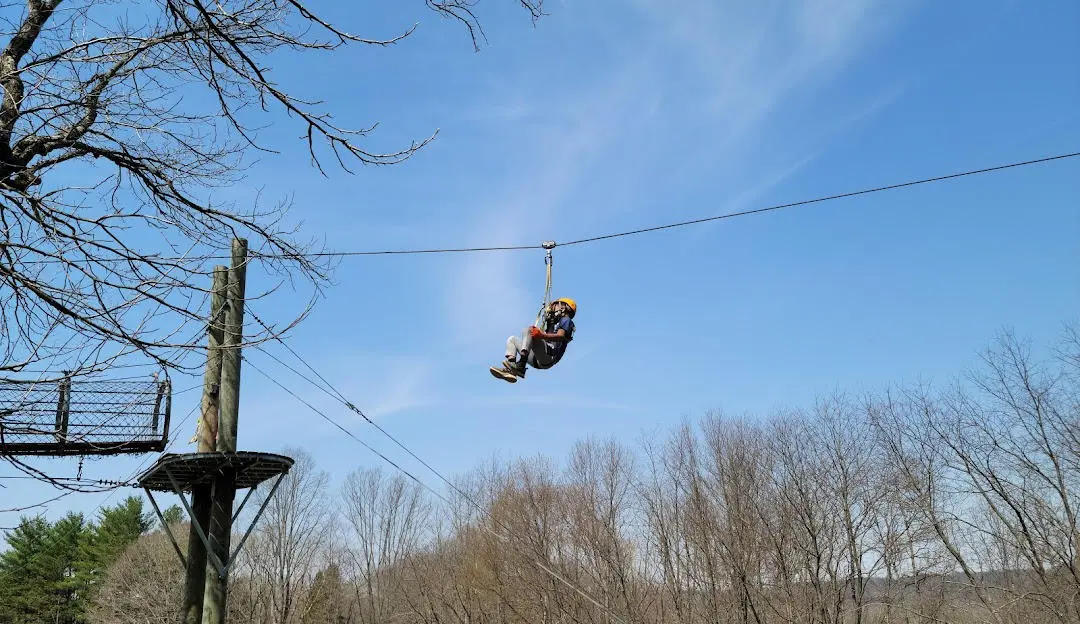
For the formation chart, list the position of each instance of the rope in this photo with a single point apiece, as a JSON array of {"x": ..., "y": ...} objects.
[{"x": 547, "y": 288}]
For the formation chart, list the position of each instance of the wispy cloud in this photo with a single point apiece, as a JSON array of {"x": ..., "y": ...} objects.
[
  {"x": 566, "y": 137},
  {"x": 696, "y": 92},
  {"x": 741, "y": 65},
  {"x": 381, "y": 384},
  {"x": 387, "y": 384}
]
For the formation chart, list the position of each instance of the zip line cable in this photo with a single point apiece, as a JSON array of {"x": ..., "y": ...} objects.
[
  {"x": 112, "y": 490},
  {"x": 592, "y": 239},
  {"x": 332, "y": 391},
  {"x": 817, "y": 200},
  {"x": 743, "y": 213},
  {"x": 333, "y": 422}
]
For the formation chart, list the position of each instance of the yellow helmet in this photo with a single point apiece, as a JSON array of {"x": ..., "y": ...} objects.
[{"x": 570, "y": 303}]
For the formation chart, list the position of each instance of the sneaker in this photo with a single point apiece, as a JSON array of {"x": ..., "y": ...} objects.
[
  {"x": 512, "y": 366},
  {"x": 503, "y": 373}
]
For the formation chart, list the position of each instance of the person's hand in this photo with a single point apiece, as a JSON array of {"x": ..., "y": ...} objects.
[{"x": 534, "y": 331}]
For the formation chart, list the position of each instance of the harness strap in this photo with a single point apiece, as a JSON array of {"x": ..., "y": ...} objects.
[{"x": 546, "y": 304}]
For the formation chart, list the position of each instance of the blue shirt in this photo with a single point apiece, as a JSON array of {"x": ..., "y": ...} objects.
[{"x": 558, "y": 347}]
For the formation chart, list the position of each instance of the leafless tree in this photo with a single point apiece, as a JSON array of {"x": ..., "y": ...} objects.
[
  {"x": 1011, "y": 439},
  {"x": 923, "y": 488},
  {"x": 116, "y": 129},
  {"x": 451, "y": 580},
  {"x": 143, "y": 585},
  {"x": 528, "y": 514},
  {"x": 387, "y": 519},
  {"x": 858, "y": 479},
  {"x": 665, "y": 501},
  {"x": 601, "y": 487},
  {"x": 738, "y": 484},
  {"x": 817, "y": 545},
  {"x": 288, "y": 546}
]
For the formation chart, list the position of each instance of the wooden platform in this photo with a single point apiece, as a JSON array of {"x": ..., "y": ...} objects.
[{"x": 181, "y": 472}]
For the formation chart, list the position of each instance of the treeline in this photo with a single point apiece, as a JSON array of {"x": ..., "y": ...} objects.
[
  {"x": 911, "y": 505},
  {"x": 50, "y": 571}
]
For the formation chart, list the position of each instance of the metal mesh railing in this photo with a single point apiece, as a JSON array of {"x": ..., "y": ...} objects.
[{"x": 83, "y": 417}]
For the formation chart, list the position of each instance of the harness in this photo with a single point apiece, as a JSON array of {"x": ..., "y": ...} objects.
[{"x": 545, "y": 319}]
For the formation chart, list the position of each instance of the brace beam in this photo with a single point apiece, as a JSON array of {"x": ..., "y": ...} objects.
[
  {"x": 215, "y": 561},
  {"x": 168, "y": 531},
  {"x": 236, "y": 514},
  {"x": 254, "y": 520}
]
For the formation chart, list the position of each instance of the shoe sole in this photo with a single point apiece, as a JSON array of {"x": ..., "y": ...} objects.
[{"x": 499, "y": 373}]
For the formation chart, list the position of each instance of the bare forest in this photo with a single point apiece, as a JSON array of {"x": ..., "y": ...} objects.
[{"x": 955, "y": 504}]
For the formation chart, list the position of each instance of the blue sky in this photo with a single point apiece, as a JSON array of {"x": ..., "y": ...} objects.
[{"x": 613, "y": 115}]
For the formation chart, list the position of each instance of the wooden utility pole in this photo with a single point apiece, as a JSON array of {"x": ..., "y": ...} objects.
[
  {"x": 216, "y": 592},
  {"x": 212, "y": 377},
  {"x": 234, "y": 336},
  {"x": 195, "y": 575}
]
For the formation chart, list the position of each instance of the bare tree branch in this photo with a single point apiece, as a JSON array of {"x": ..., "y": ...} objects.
[{"x": 116, "y": 130}]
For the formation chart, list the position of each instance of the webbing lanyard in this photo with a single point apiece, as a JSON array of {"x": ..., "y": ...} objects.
[{"x": 548, "y": 246}]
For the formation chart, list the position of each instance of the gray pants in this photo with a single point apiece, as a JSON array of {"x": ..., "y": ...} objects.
[{"x": 539, "y": 355}]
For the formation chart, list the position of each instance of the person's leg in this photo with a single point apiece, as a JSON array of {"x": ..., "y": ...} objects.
[
  {"x": 509, "y": 371},
  {"x": 517, "y": 354},
  {"x": 517, "y": 347},
  {"x": 514, "y": 345},
  {"x": 526, "y": 344},
  {"x": 524, "y": 348}
]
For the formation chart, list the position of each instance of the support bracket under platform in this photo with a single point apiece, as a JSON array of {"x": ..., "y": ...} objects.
[{"x": 180, "y": 473}]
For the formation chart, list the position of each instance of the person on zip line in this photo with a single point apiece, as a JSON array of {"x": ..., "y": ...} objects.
[{"x": 539, "y": 348}]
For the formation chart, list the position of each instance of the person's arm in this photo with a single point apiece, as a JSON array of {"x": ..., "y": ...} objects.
[{"x": 558, "y": 336}]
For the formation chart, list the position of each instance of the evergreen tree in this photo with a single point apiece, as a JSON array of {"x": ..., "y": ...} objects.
[
  {"x": 50, "y": 570},
  {"x": 327, "y": 598},
  {"x": 173, "y": 516},
  {"x": 65, "y": 577},
  {"x": 22, "y": 595},
  {"x": 116, "y": 529},
  {"x": 40, "y": 579}
]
